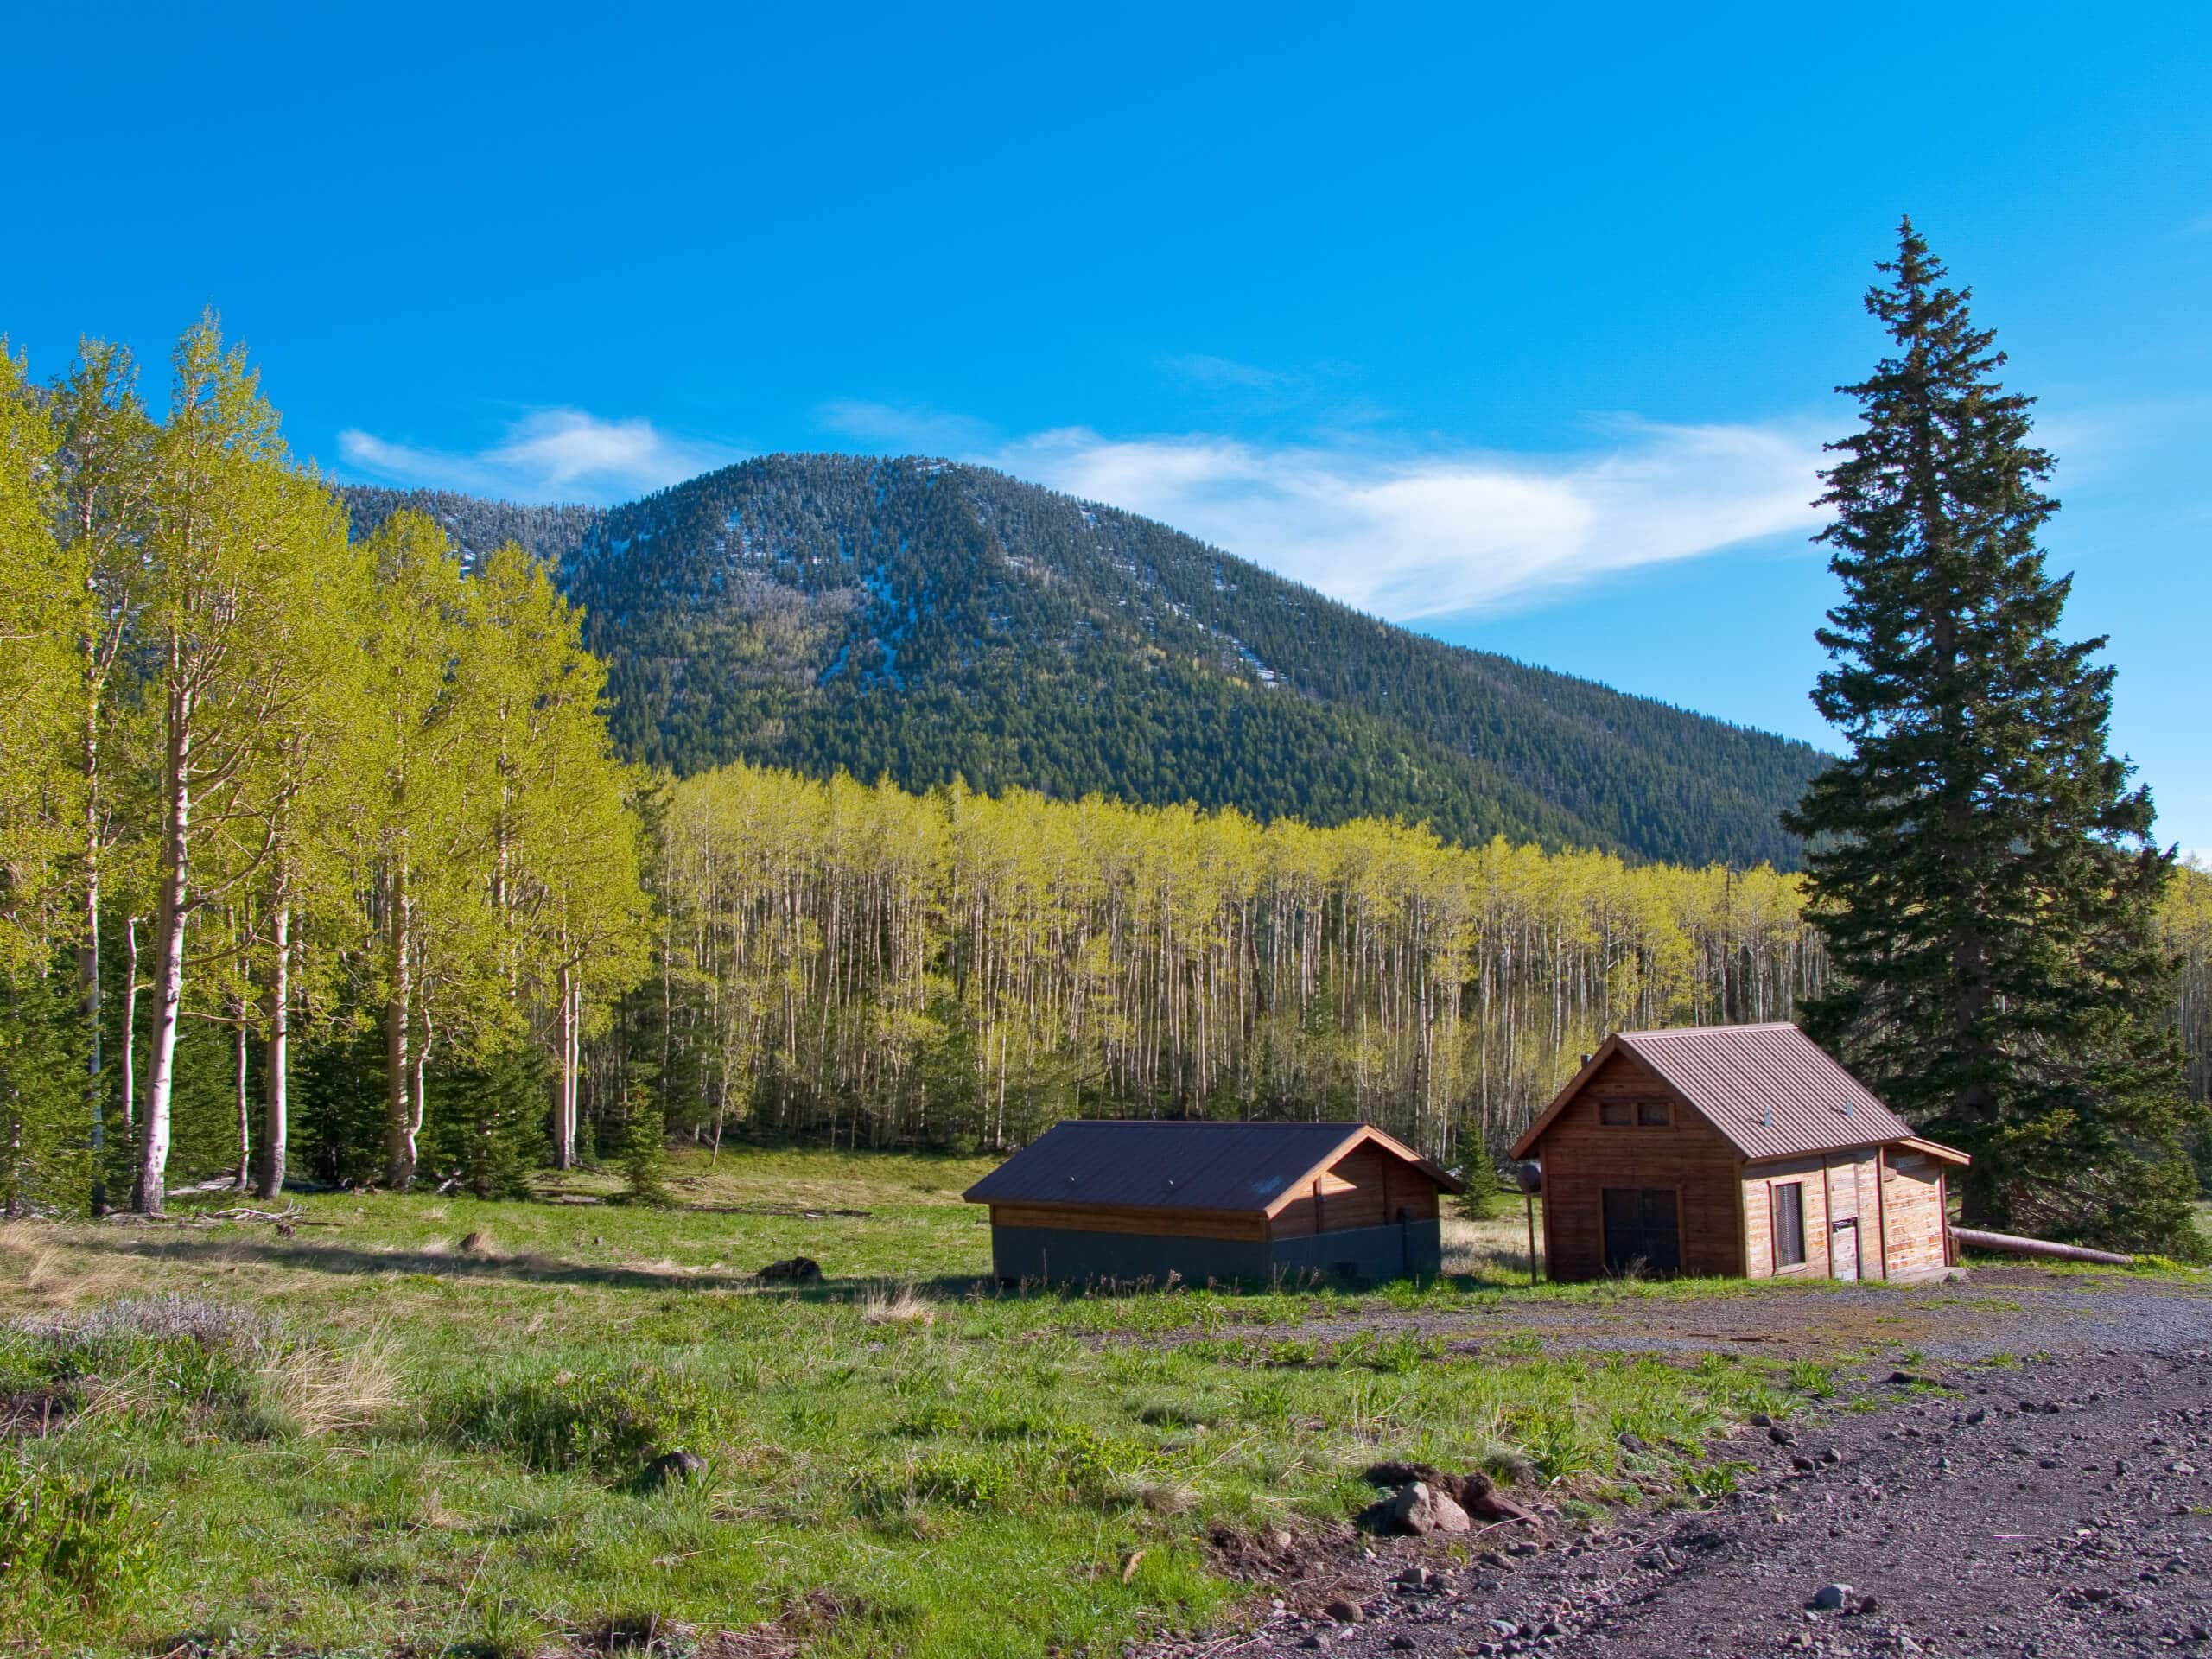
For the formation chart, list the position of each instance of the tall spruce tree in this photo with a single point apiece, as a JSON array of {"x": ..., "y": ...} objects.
[{"x": 1980, "y": 863}]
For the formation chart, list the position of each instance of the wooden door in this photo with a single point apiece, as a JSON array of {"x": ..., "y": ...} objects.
[
  {"x": 1643, "y": 1230},
  {"x": 1843, "y": 1247}
]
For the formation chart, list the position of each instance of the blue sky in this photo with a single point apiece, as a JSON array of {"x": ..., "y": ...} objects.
[{"x": 1520, "y": 328}]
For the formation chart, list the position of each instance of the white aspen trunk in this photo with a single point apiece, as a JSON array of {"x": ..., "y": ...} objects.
[
  {"x": 276, "y": 1112},
  {"x": 416, "y": 1102},
  {"x": 564, "y": 1136},
  {"x": 131, "y": 1028},
  {"x": 398, "y": 1137},
  {"x": 245, "y": 1169},
  {"x": 151, "y": 1195},
  {"x": 574, "y": 1060}
]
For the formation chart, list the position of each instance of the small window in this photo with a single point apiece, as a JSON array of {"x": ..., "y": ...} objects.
[
  {"x": 1653, "y": 1113},
  {"x": 1616, "y": 1114},
  {"x": 1788, "y": 1225}
]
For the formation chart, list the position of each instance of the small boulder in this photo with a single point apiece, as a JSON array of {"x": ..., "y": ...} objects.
[
  {"x": 1472, "y": 1492},
  {"x": 799, "y": 1270},
  {"x": 1829, "y": 1596},
  {"x": 1420, "y": 1509},
  {"x": 677, "y": 1468}
]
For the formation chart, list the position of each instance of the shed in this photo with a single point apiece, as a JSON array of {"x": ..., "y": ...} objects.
[
  {"x": 1126, "y": 1200},
  {"x": 1735, "y": 1151}
]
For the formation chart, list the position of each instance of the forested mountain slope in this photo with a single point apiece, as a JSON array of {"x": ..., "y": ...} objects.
[
  {"x": 926, "y": 619},
  {"x": 477, "y": 525}
]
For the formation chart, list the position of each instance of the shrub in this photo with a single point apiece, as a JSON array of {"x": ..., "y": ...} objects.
[
  {"x": 980, "y": 1479},
  {"x": 227, "y": 1368},
  {"x": 72, "y": 1534},
  {"x": 156, "y": 1357},
  {"x": 610, "y": 1423}
]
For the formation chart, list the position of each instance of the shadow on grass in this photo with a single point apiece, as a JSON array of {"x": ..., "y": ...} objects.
[{"x": 306, "y": 1256}]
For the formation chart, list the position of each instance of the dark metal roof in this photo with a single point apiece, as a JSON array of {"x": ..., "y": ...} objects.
[
  {"x": 1770, "y": 1088},
  {"x": 1144, "y": 1163}
]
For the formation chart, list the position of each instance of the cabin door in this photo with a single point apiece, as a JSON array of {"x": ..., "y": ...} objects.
[
  {"x": 1643, "y": 1230},
  {"x": 1843, "y": 1247}
]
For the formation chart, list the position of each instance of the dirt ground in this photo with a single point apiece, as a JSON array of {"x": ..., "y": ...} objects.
[{"x": 2054, "y": 1498}]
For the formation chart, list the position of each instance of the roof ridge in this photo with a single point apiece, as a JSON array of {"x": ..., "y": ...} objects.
[{"x": 1710, "y": 1031}]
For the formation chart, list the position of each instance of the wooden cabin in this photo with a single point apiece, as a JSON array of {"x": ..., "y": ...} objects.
[
  {"x": 1128, "y": 1201},
  {"x": 1735, "y": 1151}
]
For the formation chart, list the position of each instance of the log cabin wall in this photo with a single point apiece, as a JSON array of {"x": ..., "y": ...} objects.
[
  {"x": 1815, "y": 1179},
  {"x": 1367, "y": 1187},
  {"x": 1582, "y": 1156},
  {"x": 1912, "y": 1202},
  {"x": 1103, "y": 1218}
]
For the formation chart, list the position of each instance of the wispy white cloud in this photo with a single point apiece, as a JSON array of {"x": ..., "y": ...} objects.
[
  {"x": 1407, "y": 532},
  {"x": 1402, "y": 530},
  {"x": 555, "y": 455},
  {"x": 916, "y": 429}
]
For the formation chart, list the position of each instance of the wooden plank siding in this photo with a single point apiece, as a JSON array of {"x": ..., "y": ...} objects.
[
  {"x": 1582, "y": 1156},
  {"x": 1105, "y": 1218},
  {"x": 1912, "y": 1205},
  {"x": 1368, "y": 1186},
  {"x": 1814, "y": 1174}
]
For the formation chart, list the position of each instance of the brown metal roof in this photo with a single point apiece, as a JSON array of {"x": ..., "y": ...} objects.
[
  {"x": 1144, "y": 1163},
  {"x": 1769, "y": 1089}
]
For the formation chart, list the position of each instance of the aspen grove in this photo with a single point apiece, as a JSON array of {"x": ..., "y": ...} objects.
[{"x": 316, "y": 859}]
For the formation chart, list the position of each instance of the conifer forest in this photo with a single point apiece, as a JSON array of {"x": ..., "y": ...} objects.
[{"x": 322, "y": 860}]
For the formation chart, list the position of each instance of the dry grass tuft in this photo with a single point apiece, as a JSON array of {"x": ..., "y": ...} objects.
[
  {"x": 1169, "y": 1497},
  {"x": 904, "y": 1306},
  {"x": 329, "y": 1391},
  {"x": 53, "y": 1276},
  {"x": 476, "y": 1243}
]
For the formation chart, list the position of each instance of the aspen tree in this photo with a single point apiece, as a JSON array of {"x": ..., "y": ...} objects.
[
  {"x": 228, "y": 560},
  {"x": 103, "y": 438},
  {"x": 41, "y": 598},
  {"x": 42, "y": 605},
  {"x": 426, "y": 807}
]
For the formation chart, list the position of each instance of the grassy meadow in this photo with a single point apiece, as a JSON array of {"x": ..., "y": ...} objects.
[{"x": 417, "y": 1424}]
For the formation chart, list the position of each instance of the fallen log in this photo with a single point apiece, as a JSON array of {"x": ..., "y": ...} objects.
[{"x": 1974, "y": 1239}]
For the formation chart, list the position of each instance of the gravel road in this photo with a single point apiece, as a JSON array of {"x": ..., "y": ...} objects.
[{"x": 2058, "y": 1506}]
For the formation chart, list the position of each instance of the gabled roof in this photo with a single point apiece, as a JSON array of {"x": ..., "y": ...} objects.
[
  {"x": 1769, "y": 1089},
  {"x": 1145, "y": 1164}
]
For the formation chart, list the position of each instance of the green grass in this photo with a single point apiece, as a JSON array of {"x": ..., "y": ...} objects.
[{"x": 406, "y": 1442}]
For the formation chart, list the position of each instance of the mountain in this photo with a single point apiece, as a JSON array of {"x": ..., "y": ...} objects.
[{"x": 927, "y": 619}]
